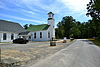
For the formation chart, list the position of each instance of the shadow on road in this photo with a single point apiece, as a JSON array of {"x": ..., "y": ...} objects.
[{"x": 88, "y": 41}]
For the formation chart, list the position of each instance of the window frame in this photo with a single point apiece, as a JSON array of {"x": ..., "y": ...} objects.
[
  {"x": 40, "y": 34},
  {"x": 12, "y": 36},
  {"x": 35, "y": 35},
  {"x": 4, "y": 36},
  {"x": 48, "y": 34}
]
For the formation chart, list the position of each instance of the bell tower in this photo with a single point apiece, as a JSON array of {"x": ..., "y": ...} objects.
[
  {"x": 50, "y": 18},
  {"x": 51, "y": 23}
]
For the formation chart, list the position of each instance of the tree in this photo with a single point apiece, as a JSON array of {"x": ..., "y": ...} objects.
[
  {"x": 93, "y": 9},
  {"x": 25, "y": 26},
  {"x": 67, "y": 22},
  {"x": 59, "y": 31},
  {"x": 67, "y": 28},
  {"x": 30, "y": 25},
  {"x": 75, "y": 31}
]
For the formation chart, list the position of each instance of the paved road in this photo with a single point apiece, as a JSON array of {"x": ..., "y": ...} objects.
[{"x": 82, "y": 53}]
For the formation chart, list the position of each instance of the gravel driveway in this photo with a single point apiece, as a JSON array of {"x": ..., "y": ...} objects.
[
  {"x": 27, "y": 54},
  {"x": 82, "y": 53}
]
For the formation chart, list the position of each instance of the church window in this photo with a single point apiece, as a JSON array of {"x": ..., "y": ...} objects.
[
  {"x": 12, "y": 36},
  {"x": 48, "y": 34},
  {"x": 40, "y": 34},
  {"x": 35, "y": 35},
  {"x": 4, "y": 36}
]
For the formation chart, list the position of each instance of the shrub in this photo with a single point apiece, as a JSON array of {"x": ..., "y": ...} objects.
[{"x": 71, "y": 39}]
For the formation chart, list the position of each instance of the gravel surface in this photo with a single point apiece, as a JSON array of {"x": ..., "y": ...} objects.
[
  {"x": 82, "y": 53},
  {"x": 28, "y": 54}
]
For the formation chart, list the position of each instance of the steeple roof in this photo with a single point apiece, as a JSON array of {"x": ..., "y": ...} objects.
[{"x": 51, "y": 13}]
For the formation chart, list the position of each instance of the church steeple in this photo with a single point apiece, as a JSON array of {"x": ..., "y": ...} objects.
[
  {"x": 51, "y": 23},
  {"x": 50, "y": 18},
  {"x": 50, "y": 15}
]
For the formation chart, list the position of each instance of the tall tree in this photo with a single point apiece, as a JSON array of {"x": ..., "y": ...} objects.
[
  {"x": 75, "y": 31},
  {"x": 93, "y": 9},
  {"x": 25, "y": 26},
  {"x": 67, "y": 27},
  {"x": 30, "y": 25}
]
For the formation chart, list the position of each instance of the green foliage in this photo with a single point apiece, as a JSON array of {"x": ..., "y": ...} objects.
[
  {"x": 30, "y": 25},
  {"x": 93, "y": 9},
  {"x": 25, "y": 26},
  {"x": 68, "y": 27},
  {"x": 96, "y": 42}
]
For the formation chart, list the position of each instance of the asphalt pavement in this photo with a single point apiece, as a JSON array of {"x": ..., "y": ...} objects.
[{"x": 82, "y": 53}]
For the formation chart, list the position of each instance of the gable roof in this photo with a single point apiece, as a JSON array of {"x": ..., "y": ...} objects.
[
  {"x": 9, "y": 26},
  {"x": 24, "y": 33},
  {"x": 38, "y": 27}
]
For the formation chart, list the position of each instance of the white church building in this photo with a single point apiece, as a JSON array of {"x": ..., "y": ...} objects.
[{"x": 44, "y": 32}]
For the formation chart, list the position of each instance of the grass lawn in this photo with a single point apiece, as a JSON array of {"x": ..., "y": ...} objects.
[{"x": 96, "y": 41}]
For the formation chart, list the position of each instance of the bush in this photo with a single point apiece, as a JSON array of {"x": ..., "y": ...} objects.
[
  {"x": 98, "y": 37},
  {"x": 71, "y": 39}
]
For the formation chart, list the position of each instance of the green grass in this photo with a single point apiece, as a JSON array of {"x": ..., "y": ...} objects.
[{"x": 96, "y": 41}]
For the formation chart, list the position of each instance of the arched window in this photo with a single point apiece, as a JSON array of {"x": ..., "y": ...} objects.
[
  {"x": 48, "y": 34},
  {"x": 40, "y": 34},
  {"x": 12, "y": 36},
  {"x": 35, "y": 35}
]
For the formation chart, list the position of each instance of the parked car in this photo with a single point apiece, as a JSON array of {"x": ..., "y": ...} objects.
[{"x": 20, "y": 41}]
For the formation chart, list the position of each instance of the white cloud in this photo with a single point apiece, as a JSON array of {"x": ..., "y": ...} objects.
[
  {"x": 22, "y": 19},
  {"x": 59, "y": 7},
  {"x": 29, "y": 4},
  {"x": 75, "y": 5},
  {"x": 54, "y": 6},
  {"x": 25, "y": 12}
]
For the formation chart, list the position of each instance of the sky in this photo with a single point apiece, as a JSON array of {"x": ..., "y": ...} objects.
[{"x": 35, "y": 11}]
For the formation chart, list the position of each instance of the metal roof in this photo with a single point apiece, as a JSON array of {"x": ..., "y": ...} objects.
[
  {"x": 9, "y": 26},
  {"x": 38, "y": 27}
]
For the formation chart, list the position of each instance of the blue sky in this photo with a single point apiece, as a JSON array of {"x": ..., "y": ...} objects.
[{"x": 35, "y": 11}]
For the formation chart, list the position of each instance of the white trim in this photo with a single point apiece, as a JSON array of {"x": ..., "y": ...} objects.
[
  {"x": 8, "y": 32},
  {"x": 8, "y": 39}
]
